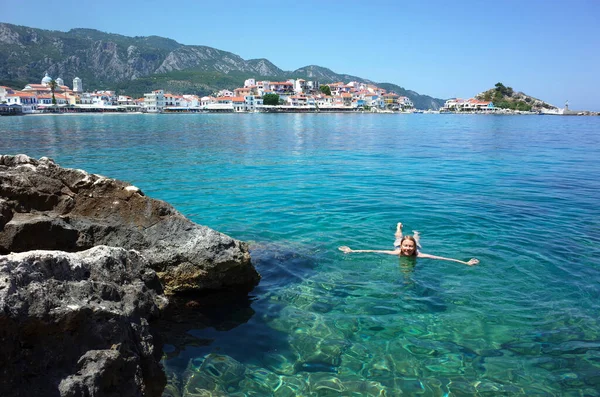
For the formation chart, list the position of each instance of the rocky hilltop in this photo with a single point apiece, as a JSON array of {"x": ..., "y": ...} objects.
[
  {"x": 507, "y": 98},
  {"x": 86, "y": 263},
  {"x": 135, "y": 65}
]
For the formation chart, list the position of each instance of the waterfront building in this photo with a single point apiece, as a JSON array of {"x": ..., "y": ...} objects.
[
  {"x": 390, "y": 100},
  {"x": 238, "y": 103},
  {"x": 346, "y": 99},
  {"x": 86, "y": 98},
  {"x": 192, "y": 101},
  {"x": 253, "y": 102},
  {"x": 45, "y": 100},
  {"x": 298, "y": 100},
  {"x": 124, "y": 100},
  {"x": 219, "y": 104},
  {"x": 104, "y": 98},
  {"x": 27, "y": 100},
  {"x": 324, "y": 101},
  {"x": 206, "y": 100},
  {"x": 405, "y": 102},
  {"x": 468, "y": 105},
  {"x": 5, "y": 91},
  {"x": 154, "y": 102}
]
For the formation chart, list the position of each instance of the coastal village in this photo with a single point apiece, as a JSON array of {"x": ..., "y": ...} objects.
[{"x": 294, "y": 95}]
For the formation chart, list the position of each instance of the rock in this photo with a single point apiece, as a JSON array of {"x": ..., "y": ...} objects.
[
  {"x": 76, "y": 324},
  {"x": 45, "y": 206}
]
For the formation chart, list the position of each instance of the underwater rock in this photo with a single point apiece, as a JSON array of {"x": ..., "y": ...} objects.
[
  {"x": 215, "y": 375},
  {"x": 45, "y": 206}
]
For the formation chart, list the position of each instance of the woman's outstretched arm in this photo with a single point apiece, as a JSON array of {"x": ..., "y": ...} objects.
[
  {"x": 347, "y": 250},
  {"x": 471, "y": 262}
]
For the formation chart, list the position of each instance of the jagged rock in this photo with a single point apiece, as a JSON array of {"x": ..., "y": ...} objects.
[
  {"x": 76, "y": 324},
  {"x": 45, "y": 206}
]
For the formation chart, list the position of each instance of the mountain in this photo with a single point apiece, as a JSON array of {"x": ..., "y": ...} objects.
[{"x": 135, "y": 65}]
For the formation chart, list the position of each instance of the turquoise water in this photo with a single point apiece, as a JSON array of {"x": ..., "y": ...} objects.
[{"x": 521, "y": 193}]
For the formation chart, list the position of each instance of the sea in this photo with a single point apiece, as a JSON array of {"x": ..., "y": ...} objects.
[{"x": 520, "y": 193}]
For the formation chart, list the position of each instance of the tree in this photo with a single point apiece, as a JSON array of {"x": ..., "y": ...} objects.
[
  {"x": 271, "y": 99},
  {"x": 52, "y": 85},
  {"x": 325, "y": 90}
]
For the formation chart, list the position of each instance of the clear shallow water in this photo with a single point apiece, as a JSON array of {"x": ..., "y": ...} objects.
[{"x": 519, "y": 193}]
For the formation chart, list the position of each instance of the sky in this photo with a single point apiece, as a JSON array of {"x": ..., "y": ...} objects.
[{"x": 548, "y": 49}]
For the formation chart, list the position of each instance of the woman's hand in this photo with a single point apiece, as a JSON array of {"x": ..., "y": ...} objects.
[{"x": 473, "y": 261}]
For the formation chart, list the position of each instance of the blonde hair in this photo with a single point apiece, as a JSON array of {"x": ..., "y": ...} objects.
[{"x": 411, "y": 238}]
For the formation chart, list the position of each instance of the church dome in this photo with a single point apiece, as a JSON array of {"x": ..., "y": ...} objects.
[
  {"x": 60, "y": 81},
  {"x": 47, "y": 79}
]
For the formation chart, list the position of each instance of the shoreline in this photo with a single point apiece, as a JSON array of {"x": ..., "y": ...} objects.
[{"x": 583, "y": 113}]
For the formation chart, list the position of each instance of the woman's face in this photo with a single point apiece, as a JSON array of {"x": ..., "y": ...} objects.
[{"x": 407, "y": 247}]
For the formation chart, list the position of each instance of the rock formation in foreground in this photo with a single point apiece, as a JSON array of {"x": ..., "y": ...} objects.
[
  {"x": 86, "y": 263},
  {"x": 45, "y": 206},
  {"x": 76, "y": 324}
]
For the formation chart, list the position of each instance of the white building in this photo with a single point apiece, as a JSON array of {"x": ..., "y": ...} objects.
[
  {"x": 5, "y": 91},
  {"x": 125, "y": 100},
  {"x": 192, "y": 101},
  {"x": 154, "y": 102},
  {"x": 405, "y": 102},
  {"x": 27, "y": 100},
  {"x": 225, "y": 93},
  {"x": 206, "y": 100},
  {"x": 299, "y": 86},
  {"x": 253, "y": 102},
  {"x": 77, "y": 85}
]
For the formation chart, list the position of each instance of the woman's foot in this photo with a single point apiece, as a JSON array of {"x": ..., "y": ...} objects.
[
  {"x": 417, "y": 237},
  {"x": 398, "y": 233}
]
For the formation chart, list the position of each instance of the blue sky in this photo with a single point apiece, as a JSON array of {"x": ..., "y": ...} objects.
[{"x": 548, "y": 49}]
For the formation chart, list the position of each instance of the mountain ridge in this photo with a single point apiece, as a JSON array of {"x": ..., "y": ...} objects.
[{"x": 134, "y": 65}]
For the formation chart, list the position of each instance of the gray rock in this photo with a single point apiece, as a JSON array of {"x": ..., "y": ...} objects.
[
  {"x": 76, "y": 324},
  {"x": 44, "y": 206}
]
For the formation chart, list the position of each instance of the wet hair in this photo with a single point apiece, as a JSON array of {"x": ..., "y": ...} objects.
[{"x": 411, "y": 238}]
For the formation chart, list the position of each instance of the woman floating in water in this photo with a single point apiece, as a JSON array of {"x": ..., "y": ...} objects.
[{"x": 408, "y": 246}]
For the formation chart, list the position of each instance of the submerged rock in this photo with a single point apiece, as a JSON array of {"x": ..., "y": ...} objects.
[
  {"x": 76, "y": 324},
  {"x": 45, "y": 206}
]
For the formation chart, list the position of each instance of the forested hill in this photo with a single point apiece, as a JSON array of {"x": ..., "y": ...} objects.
[
  {"x": 506, "y": 98},
  {"x": 134, "y": 65}
]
